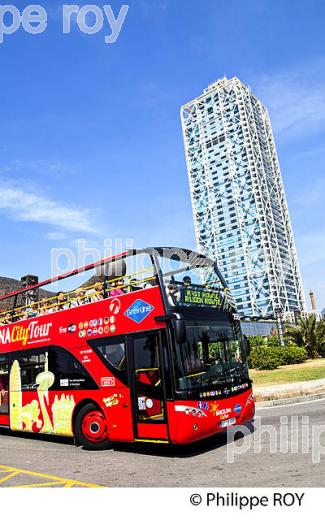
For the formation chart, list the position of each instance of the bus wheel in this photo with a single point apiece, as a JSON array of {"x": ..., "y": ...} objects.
[{"x": 91, "y": 428}]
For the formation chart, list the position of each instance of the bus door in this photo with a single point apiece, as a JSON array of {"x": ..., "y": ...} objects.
[
  {"x": 4, "y": 389},
  {"x": 147, "y": 386}
]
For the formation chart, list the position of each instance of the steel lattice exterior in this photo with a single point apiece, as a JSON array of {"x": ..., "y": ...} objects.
[{"x": 241, "y": 215}]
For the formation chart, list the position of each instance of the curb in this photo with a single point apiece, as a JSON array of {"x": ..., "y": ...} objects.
[{"x": 289, "y": 400}]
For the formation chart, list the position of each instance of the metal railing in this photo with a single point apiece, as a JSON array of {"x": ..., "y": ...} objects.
[{"x": 80, "y": 296}]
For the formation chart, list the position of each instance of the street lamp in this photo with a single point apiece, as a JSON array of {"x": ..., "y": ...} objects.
[
  {"x": 33, "y": 294},
  {"x": 297, "y": 314},
  {"x": 279, "y": 325}
]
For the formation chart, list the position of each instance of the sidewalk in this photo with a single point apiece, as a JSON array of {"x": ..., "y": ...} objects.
[{"x": 289, "y": 392}]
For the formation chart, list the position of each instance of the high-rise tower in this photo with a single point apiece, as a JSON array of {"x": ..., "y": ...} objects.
[{"x": 240, "y": 210}]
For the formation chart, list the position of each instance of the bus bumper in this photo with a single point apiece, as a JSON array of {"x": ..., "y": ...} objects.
[{"x": 190, "y": 421}]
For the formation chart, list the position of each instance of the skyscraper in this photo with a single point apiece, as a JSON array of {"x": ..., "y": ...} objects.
[{"x": 241, "y": 216}]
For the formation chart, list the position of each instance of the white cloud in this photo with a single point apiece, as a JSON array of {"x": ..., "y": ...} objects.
[
  {"x": 55, "y": 235},
  {"x": 295, "y": 98},
  {"x": 37, "y": 167},
  {"x": 25, "y": 205}
]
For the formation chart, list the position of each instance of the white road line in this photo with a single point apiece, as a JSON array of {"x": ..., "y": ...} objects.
[{"x": 290, "y": 404}]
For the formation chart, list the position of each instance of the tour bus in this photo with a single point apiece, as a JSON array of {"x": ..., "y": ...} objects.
[{"x": 151, "y": 351}]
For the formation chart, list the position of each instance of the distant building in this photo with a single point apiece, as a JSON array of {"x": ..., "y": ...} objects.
[
  {"x": 313, "y": 303},
  {"x": 258, "y": 328},
  {"x": 241, "y": 216},
  {"x": 312, "y": 300}
]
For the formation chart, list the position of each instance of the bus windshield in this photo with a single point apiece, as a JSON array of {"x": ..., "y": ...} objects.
[
  {"x": 212, "y": 355},
  {"x": 191, "y": 279}
]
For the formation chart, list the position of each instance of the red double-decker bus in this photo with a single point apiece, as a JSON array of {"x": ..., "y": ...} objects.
[{"x": 151, "y": 351}]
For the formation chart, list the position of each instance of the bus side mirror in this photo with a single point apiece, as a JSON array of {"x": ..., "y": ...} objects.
[
  {"x": 180, "y": 331},
  {"x": 247, "y": 345}
]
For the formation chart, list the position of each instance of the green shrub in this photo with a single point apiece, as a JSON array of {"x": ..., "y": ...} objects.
[
  {"x": 268, "y": 357},
  {"x": 264, "y": 358},
  {"x": 257, "y": 341},
  {"x": 320, "y": 337},
  {"x": 291, "y": 354},
  {"x": 273, "y": 341}
]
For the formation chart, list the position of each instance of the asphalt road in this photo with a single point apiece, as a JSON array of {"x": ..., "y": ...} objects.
[{"x": 199, "y": 465}]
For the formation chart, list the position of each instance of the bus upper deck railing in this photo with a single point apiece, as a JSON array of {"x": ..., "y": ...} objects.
[
  {"x": 80, "y": 296},
  {"x": 117, "y": 277}
]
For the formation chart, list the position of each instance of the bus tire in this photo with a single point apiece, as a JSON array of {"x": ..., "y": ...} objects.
[{"x": 91, "y": 429}]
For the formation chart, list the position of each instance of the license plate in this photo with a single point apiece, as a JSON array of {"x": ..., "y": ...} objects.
[{"x": 228, "y": 422}]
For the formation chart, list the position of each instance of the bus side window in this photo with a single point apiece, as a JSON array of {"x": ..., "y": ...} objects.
[
  {"x": 4, "y": 383},
  {"x": 114, "y": 354},
  {"x": 31, "y": 364},
  {"x": 146, "y": 360},
  {"x": 68, "y": 371}
]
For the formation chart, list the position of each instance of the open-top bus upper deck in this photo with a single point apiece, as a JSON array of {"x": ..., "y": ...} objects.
[
  {"x": 156, "y": 326},
  {"x": 185, "y": 279}
]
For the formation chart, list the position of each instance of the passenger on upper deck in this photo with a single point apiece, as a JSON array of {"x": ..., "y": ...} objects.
[
  {"x": 138, "y": 285},
  {"x": 43, "y": 307},
  {"x": 80, "y": 298},
  {"x": 134, "y": 285},
  {"x": 5, "y": 319},
  {"x": 173, "y": 294},
  {"x": 187, "y": 282},
  {"x": 62, "y": 302},
  {"x": 150, "y": 282},
  {"x": 32, "y": 310},
  {"x": 116, "y": 287},
  {"x": 97, "y": 293}
]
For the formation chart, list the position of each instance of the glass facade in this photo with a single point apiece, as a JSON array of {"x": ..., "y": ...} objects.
[
  {"x": 258, "y": 328},
  {"x": 240, "y": 211}
]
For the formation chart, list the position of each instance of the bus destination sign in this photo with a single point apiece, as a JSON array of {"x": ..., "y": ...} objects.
[{"x": 200, "y": 296}]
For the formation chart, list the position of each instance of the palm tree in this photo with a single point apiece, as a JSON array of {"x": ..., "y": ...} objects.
[
  {"x": 320, "y": 336},
  {"x": 303, "y": 334}
]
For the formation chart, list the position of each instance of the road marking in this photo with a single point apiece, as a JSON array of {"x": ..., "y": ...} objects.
[
  {"x": 54, "y": 481},
  {"x": 41, "y": 484},
  {"x": 12, "y": 474},
  {"x": 289, "y": 404},
  {"x": 153, "y": 441}
]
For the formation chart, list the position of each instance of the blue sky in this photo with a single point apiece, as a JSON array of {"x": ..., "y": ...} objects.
[{"x": 90, "y": 136}]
